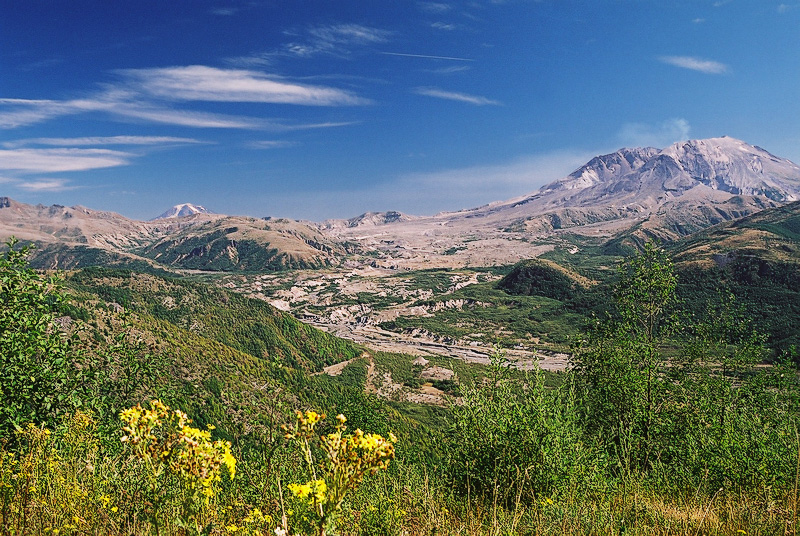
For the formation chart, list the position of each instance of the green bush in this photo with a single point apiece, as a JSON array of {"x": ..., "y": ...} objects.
[{"x": 37, "y": 362}]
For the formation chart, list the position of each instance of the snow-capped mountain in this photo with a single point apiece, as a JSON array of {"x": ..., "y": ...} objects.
[{"x": 184, "y": 209}]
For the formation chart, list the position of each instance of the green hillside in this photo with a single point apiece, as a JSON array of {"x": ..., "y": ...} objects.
[
  {"x": 539, "y": 277},
  {"x": 245, "y": 324}
]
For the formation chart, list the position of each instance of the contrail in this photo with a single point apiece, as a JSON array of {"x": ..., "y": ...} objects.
[{"x": 425, "y": 56}]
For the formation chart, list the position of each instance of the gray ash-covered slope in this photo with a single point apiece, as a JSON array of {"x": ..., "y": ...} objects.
[
  {"x": 678, "y": 190},
  {"x": 626, "y": 196},
  {"x": 682, "y": 188},
  {"x": 368, "y": 219}
]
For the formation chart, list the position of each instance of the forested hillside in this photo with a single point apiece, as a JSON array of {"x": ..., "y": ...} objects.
[{"x": 662, "y": 425}]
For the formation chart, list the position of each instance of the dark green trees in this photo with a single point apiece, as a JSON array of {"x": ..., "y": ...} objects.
[
  {"x": 686, "y": 400},
  {"x": 35, "y": 355},
  {"x": 623, "y": 360}
]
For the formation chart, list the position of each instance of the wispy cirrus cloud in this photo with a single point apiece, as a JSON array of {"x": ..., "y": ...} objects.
[
  {"x": 271, "y": 144},
  {"x": 312, "y": 126},
  {"x": 434, "y": 7},
  {"x": 27, "y": 161},
  {"x": 21, "y": 112},
  {"x": 695, "y": 64},
  {"x": 426, "y": 56},
  {"x": 152, "y": 95},
  {"x": 455, "y": 96},
  {"x": 336, "y": 39},
  {"x": 451, "y": 70},
  {"x": 101, "y": 140},
  {"x": 349, "y": 34},
  {"x": 22, "y": 158},
  {"x": 211, "y": 84},
  {"x": 46, "y": 185},
  {"x": 224, "y": 11}
]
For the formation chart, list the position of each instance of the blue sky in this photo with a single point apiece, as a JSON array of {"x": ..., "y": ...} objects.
[{"x": 319, "y": 109}]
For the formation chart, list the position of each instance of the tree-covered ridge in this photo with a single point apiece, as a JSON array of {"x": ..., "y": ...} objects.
[
  {"x": 539, "y": 277},
  {"x": 245, "y": 324}
]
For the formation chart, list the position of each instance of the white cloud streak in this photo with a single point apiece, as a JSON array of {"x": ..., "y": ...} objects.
[
  {"x": 224, "y": 11},
  {"x": 311, "y": 126},
  {"x": 21, "y": 112},
  {"x": 271, "y": 144},
  {"x": 185, "y": 118},
  {"x": 55, "y": 160},
  {"x": 695, "y": 64},
  {"x": 451, "y": 95},
  {"x": 349, "y": 34},
  {"x": 147, "y": 95},
  {"x": 337, "y": 40},
  {"x": 46, "y": 185},
  {"x": 101, "y": 140},
  {"x": 434, "y": 7},
  {"x": 452, "y": 69},
  {"x": 202, "y": 83}
]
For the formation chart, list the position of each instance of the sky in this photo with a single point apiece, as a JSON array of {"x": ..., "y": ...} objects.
[{"x": 317, "y": 109}]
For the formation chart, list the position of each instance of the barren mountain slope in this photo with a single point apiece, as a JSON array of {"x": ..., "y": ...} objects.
[
  {"x": 241, "y": 243},
  {"x": 69, "y": 237},
  {"x": 668, "y": 193}
]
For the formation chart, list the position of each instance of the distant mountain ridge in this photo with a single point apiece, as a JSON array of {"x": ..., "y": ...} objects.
[
  {"x": 73, "y": 237},
  {"x": 624, "y": 197},
  {"x": 710, "y": 170},
  {"x": 724, "y": 164},
  {"x": 629, "y": 196},
  {"x": 368, "y": 219}
]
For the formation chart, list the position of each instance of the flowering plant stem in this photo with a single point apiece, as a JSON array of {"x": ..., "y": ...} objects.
[{"x": 348, "y": 459}]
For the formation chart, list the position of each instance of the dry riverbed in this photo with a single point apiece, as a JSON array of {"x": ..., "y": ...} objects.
[{"x": 352, "y": 303}]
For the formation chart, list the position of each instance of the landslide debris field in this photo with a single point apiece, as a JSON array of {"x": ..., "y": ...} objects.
[{"x": 442, "y": 312}]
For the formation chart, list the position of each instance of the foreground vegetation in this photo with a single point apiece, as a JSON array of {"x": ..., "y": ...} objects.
[{"x": 669, "y": 424}]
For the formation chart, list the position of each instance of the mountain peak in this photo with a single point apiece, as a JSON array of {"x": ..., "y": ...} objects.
[
  {"x": 184, "y": 209},
  {"x": 723, "y": 163},
  {"x": 603, "y": 168}
]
